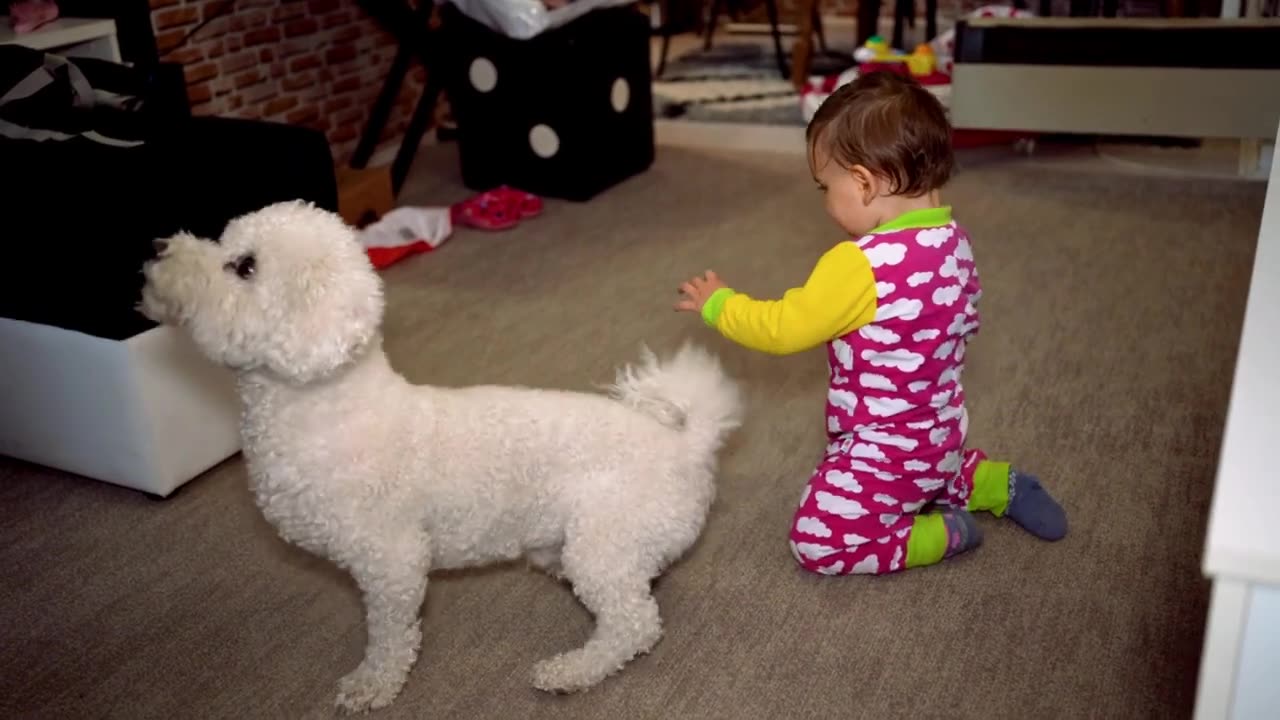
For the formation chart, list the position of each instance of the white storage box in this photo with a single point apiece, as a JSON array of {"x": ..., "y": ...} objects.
[{"x": 149, "y": 412}]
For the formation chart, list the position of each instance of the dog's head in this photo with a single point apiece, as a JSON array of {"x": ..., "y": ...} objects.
[{"x": 286, "y": 289}]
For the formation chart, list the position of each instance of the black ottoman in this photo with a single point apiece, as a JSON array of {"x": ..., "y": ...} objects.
[{"x": 565, "y": 114}]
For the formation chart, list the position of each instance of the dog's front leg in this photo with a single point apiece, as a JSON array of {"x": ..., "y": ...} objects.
[{"x": 392, "y": 577}]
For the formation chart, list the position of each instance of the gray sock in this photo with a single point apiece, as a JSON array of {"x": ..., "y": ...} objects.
[
  {"x": 963, "y": 532},
  {"x": 1032, "y": 507}
]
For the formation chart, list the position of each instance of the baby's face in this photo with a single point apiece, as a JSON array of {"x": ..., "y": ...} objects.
[{"x": 850, "y": 200}]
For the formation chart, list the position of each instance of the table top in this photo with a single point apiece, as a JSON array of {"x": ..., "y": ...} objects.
[
  {"x": 1243, "y": 539},
  {"x": 59, "y": 33}
]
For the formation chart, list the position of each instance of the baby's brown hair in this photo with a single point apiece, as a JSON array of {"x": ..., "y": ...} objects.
[{"x": 890, "y": 125}]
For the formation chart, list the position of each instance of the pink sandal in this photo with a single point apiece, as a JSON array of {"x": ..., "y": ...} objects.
[{"x": 499, "y": 209}]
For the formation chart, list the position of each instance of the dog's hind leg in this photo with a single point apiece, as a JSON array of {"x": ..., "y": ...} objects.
[
  {"x": 392, "y": 576},
  {"x": 615, "y": 588}
]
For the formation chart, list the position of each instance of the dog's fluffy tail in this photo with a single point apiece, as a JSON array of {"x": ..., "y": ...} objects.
[{"x": 689, "y": 391}]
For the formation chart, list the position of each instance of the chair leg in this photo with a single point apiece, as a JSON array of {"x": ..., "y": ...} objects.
[
  {"x": 711, "y": 24},
  {"x": 772, "y": 7},
  {"x": 868, "y": 20},
  {"x": 817, "y": 28},
  {"x": 899, "y": 23},
  {"x": 930, "y": 20},
  {"x": 422, "y": 117},
  {"x": 666, "y": 39}
]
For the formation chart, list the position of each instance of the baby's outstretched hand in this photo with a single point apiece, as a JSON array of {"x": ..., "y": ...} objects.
[{"x": 695, "y": 293}]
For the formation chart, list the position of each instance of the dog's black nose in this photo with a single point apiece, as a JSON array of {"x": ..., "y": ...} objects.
[{"x": 160, "y": 244}]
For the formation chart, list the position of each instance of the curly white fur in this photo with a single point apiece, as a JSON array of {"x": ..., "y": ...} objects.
[{"x": 391, "y": 480}]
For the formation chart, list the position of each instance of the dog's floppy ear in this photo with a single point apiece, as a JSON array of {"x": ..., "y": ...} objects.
[
  {"x": 318, "y": 301},
  {"x": 336, "y": 312}
]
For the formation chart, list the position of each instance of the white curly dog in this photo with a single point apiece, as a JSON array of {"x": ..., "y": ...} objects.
[{"x": 391, "y": 480}]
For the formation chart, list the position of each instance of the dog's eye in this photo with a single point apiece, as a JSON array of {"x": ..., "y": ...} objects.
[{"x": 243, "y": 266}]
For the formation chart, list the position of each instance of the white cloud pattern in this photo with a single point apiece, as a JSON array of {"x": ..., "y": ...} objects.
[
  {"x": 884, "y": 288},
  {"x": 881, "y": 437},
  {"x": 886, "y": 406},
  {"x": 813, "y": 551},
  {"x": 843, "y": 480},
  {"x": 917, "y": 279},
  {"x": 843, "y": 399},
  {"x": 929, "y": 484},
  {"x": 872, "y": 381},
  {"x": 905, "y": 308},
  {"x": 898, "y": 359},
  {"x": 949, "y": 267},
  {"x": 885, "y": 499},
  {"x": 867, "y": 450},
  {"x": 934, "y": 237},
  {"x": 950, "y": 463},
  {"x": 916, "y": 465},
  {"x": 947, "y": 377},
  {"x": 834, "y": 568},
  {"x": 946, "y": 295},
  {"x": 813, "y": 526},
  {"x": 882, "y": 335},
  {"x": 844, "y": 507},
  {"x": 869, "y": 565},
  {"x": 939, "y": 435},
  {"x": 854, "y": 540},
  {"x": 843, "y": 352},
  {"x": 886, "y": 254},
  {"x": 926, "y": 334}
]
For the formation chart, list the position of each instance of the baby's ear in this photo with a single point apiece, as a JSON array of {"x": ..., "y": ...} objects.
[{"x": 868, "y": 184}]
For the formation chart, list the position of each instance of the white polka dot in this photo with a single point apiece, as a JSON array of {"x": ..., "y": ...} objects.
[
  {"x": 544, "y": 141},
  {"x": 483, "y": 75},
  {"x": 620, "y": 95}
]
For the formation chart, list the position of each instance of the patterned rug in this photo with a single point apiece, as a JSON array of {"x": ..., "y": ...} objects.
[{"x": 734, "y": 83}]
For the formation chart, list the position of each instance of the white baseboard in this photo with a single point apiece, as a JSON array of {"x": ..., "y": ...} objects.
[{"x": 730, "y": 136}]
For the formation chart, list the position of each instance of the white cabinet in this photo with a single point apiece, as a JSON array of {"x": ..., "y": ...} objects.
[{"x": 1239, "y": 679}]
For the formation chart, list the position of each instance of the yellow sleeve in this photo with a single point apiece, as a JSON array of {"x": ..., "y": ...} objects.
[{"x": 839, "y": 296}]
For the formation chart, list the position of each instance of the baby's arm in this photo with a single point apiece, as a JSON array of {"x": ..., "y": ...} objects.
[{"x": 839, "y": 296}]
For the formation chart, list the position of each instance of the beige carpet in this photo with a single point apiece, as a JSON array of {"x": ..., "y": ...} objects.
[{"x": 1111, "y": 313}]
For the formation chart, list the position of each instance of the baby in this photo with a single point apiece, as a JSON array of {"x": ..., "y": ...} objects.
[{"x": 896, "y": 307}]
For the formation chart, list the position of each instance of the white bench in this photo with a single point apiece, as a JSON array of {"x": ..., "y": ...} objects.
[{"x": 1238, "y": 675}]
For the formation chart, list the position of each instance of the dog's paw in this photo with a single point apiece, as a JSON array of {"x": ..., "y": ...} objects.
[
  {"x": 567, "y": 673},
  {"x": 367, "y": 689}
]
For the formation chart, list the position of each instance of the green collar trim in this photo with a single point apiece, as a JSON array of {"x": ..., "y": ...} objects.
[{"x": 923, "y": 218}]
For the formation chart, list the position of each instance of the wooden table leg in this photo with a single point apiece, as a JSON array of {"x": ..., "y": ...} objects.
[{"x": 802, "y": 51}]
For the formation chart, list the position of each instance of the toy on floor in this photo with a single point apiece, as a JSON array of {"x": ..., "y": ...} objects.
[
  {"x": 403, "y": 232},
  {"x": 499, "y": 209},
  {"x": 930, "y": 64},
  {"x": 391, "y": 480},
  {"x": 877, "y": 55}
]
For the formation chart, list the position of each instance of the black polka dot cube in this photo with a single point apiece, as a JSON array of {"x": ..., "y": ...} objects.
[{"x": 566, "y": 114}]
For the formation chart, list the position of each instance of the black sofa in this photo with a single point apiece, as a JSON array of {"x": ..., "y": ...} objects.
[{"x": 83, "y": 215}]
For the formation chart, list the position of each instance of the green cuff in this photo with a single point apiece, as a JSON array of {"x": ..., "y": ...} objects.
[
  {"x": 714, "y": 305},
  {"x": 990, "y": 488},
  {"x": 923, "y": 218},
  {"x": 928, "y": 541}
]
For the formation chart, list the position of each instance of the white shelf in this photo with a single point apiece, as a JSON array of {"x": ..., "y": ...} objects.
[
  {"x": 1241, "y": 542},
  {"x": 80, "y": 37}
]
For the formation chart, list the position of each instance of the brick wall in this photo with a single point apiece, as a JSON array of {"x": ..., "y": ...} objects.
[{"x": 317, "y": 63}]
